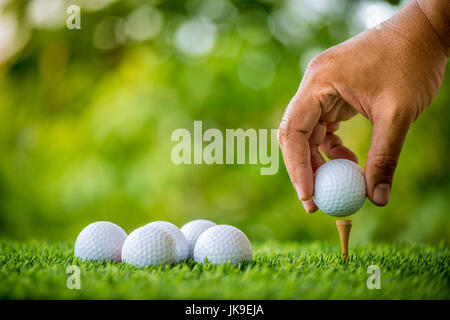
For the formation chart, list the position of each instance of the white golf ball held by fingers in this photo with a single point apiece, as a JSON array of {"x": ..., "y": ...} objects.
[
  {"x": 192, "y": 230},
  {"x": 100, "y": 240},
  {"x": 222, "y": 244},
  {"x": 149, "y": 245},
  {"x": 181, "y": 244},
  {"x": 339, "y": 188}
]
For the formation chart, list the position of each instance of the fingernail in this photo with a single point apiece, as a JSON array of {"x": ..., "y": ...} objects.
[
  {"x": 299, "y": 193},
  {"x": 381, "y": 194}
]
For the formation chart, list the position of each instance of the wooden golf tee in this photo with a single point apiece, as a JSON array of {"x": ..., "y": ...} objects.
[{"x": 344, "y": 227}]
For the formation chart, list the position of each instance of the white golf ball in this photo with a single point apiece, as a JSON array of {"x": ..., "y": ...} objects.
[
  {"x": 340, "y": 188},
  {"x": 149, "y": 245},
  {"x": 181, "y": 244},
  {"x": 221, "y": 244},
  {"x": 100, "y": 240},
  {"x": 192, "y": 230}
]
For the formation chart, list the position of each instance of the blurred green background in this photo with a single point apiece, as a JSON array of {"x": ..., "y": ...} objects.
[{"x": 86, "y": 118}]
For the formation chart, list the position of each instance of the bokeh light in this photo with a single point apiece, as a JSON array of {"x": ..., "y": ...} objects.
[
  {"x": 47, "y": 14},
  {"x": 144, "y": 23},
  {"x": 195, "y": 37}
]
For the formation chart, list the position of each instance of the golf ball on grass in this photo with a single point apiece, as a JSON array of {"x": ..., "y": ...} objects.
[
  {"x": 181, "y": 244},
  {"x": 100, "y": 240},
  {"x": 149, "y": 245},
  {"x": 222, "y": 244},
  {"x": 192, "y": 230},
  {"x": 340, "y": 188}
]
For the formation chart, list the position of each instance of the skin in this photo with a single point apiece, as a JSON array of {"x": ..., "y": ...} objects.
[{"x": 389, "y": 74}]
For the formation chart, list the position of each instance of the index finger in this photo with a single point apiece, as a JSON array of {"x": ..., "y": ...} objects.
[{"x": 299, "y": 120}]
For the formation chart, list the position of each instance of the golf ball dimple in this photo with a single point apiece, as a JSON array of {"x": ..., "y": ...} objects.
[
  {"x": 192, "y": 230},
  {"x": 149, "y": 245},
  {"x": 222, "y": 244},
  {"x": 340, "y": 188},
  {"x": 100, "y": 240},
  {"x": 181, "y": 244}
]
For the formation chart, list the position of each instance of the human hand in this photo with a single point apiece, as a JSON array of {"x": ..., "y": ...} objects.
[{"x": 389, "y": 74}]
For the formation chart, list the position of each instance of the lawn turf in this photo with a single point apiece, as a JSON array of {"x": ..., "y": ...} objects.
[{"x": 287, "y": 270}]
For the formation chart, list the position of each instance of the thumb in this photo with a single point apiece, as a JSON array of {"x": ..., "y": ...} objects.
[{"x": 389, "y": 133}]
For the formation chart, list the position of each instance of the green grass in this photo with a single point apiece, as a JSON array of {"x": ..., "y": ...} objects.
[{"x": 36, "y": 270}]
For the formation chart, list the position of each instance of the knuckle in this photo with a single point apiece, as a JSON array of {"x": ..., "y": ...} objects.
[
  {"x": 385, "y": 162},
  {"x": 283, "y": 133},
  {"x": 317, "y": 61},
  {"x": 284, "y": 130},
  {"x": 320, "y": 61},
  {"x": 397, "y": 114}
]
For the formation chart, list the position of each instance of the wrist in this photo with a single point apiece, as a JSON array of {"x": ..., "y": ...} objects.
[
  {"x": 437, "y": 13},
  {"x": 413, "y": 23}
]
